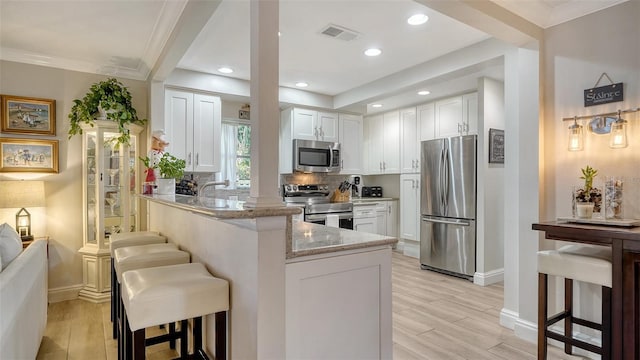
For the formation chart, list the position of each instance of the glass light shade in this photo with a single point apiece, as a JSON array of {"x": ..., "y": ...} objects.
[
  {"x": 576, "y": 138},
  {"x": 618, "y": 137}
]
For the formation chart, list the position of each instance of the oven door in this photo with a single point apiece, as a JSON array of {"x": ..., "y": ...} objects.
[{"x": 345, "y": 220}]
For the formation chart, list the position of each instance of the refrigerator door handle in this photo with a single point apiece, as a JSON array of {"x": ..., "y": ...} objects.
[
  {"x": 441, "y": 181},
  {"x": 446, "y": 221},
  {"x": 447, "y": 172}
]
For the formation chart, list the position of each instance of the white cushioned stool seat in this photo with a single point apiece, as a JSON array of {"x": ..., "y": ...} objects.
[
  {"x": 590, "y": 264},
  {"x": 145, "y": 256},
  {"x": 166, "y": 294},
  {"x": 135, "y": 238}
]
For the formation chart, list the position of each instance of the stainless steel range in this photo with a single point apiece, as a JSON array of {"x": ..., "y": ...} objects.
[{"x": 317, "y": 207}]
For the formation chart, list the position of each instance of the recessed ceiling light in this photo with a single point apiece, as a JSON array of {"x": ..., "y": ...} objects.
[
  {"x": 373, "y": 52},
  {"x": 376, "y": 105},
  {"x": 417, "y": 19},
  {"x": 225, "y": 70},
  {"x": 302, "y": 84},
  {"x": 424, "y": 92},
  {"x": 279, "y": 33}
]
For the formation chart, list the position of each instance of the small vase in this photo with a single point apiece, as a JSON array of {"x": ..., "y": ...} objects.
[
  {"x": 584, "y": 210},
  {"x": 166, "y": 186}
]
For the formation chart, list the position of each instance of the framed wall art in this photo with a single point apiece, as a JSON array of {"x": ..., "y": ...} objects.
[
  {"x": 496, "y": 146},
  {"x": 28, "y": 155},
  {"x": 32, "y": 116}
]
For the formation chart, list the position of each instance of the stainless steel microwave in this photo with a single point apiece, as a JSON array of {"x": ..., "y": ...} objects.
[{"x": 316, "y": 156}]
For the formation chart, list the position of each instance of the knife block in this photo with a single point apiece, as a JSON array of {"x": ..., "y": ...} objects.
[{"x": 339, "y": 196}]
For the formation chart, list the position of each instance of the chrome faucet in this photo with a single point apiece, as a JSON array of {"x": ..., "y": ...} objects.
[{"x": 211, "y": 183}]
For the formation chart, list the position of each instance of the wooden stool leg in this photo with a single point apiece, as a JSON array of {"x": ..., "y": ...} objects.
[
  {"x": 184, "y": 339},
  {"x": 568, "y": 321},
  {"x": 606, "y": 323},
  {"x": 542, "y": 316},
  {"x": 138, "y": 345},
  {"x": 125, "y": 333},
  {"x": 221, "y": 335}
]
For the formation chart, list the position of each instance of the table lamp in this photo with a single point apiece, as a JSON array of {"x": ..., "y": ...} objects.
[{"x": 22, "y": 194}]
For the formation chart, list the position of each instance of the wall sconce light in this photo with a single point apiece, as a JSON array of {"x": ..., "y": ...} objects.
[
  {"x": 618, "y": 138},
  {"x": 600, "y": 124},
  {"x": 22, "y": 194},
  {"x": 576, "y": 138}
]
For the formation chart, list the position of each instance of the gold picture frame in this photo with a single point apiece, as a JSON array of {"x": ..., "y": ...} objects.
[
  {"x": 26, "y": 115},
  {"x": 28, "y": 155}
]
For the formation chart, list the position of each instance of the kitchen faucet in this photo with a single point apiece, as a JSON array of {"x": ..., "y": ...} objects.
[{"x": 211, "y": 183}]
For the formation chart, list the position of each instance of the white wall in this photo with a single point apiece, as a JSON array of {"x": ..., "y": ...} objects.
[
  {"x": 63, "y": 191},
  {"x": 575, "y": 55},
  {"x": 490, "y": 237}
]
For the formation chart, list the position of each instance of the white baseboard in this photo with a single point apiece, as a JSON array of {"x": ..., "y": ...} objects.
[
  {"x": 64, "y": 293},
  {"x": 411, "y": 248},
  {"x": 508, "y": 318},
  {"x": 526, "y": 330},
  {"x": 488, "y": 278}
]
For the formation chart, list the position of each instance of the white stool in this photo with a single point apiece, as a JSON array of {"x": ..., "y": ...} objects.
[
  {"x": 139, "y": 257},
  {"x": 590, "y": 264},
  {"x": 167, "y": 294},
  {"x": 121, "y": 240}
]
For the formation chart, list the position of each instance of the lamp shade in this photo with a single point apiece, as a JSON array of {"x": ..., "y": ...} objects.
[{"x": 21, "y": 194}]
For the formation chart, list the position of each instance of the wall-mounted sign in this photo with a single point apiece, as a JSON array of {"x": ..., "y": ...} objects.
[{"x": 603, "y": 95}]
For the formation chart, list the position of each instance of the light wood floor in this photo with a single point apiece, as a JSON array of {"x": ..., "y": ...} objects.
[{"x": 434, "y": 317}]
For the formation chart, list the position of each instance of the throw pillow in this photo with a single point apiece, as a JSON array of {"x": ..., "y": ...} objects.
[{"x": 10, "y": 245}]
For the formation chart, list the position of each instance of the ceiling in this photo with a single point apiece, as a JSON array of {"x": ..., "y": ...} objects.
[{"x": 126, "y": 38}]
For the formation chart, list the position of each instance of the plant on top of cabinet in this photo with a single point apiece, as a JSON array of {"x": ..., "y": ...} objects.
[{"x": 106, "y": 100}]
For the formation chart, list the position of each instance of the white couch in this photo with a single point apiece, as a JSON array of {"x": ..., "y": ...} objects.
[{"x": 23, "y": 303}]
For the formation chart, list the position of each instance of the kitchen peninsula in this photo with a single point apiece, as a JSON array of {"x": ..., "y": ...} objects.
[{"x": 298, "y": 290}]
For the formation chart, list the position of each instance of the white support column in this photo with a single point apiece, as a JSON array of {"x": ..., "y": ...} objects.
[{"x": 265, "y": 111}]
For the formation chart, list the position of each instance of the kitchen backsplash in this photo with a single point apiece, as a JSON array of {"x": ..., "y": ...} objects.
[{"x": 314, "y": 178}]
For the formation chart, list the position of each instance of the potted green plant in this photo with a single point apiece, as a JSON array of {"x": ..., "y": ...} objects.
[
  {"x": 106, "y": 100},
  {"x": 588, "y": 199},
  {"x": 170, "y": 169}
]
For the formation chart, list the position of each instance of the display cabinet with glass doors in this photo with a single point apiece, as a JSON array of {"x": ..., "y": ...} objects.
[{"x": 109, "y": 202}]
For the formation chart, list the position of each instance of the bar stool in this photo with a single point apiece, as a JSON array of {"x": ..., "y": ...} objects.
[
  {"x": 122, "y": 240},
  {"x": 585, "y": 263},
  {"x": 167, "y": 294},
  {"x": 140, "y": 257}
]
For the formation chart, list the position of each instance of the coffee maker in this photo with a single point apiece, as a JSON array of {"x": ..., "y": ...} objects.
[{"x": 356, "y": 186}]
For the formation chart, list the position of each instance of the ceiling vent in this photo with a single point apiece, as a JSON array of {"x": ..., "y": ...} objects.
[{"x": 339, "y": 32}]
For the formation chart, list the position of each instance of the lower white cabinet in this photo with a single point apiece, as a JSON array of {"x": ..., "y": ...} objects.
[
  {"x": 410, "y": 207},
  {"x": 339, "y": 307},
  {"x": 364, "y": 218},
  {"x": 377, "y": 217}
]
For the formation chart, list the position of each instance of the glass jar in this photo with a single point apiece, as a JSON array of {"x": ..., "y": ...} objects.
[{"x": 613, "y": 197}]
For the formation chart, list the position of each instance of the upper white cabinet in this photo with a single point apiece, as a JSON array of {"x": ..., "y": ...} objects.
[
  {"x": 409, "y": 141},
  {"x": 313, "y": 125},
  {"x": 427, "y": 122},
  {"x": 456, "y": 116},
  {"x": 382, "y": 143},
  {"x": 192, "y": 124},
  {"x": 351, "y": 144}
]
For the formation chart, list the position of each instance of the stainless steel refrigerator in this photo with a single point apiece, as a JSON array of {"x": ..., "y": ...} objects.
[{"x": 448, "y": 205}]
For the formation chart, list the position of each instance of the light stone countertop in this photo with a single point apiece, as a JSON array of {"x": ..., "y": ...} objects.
[
  {"x": 303, "y": 239},
  {"x": 314, "y": 239},
  {"x": 220, "y": 208}
]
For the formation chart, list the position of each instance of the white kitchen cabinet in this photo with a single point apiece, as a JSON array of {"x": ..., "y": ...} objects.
[
  {"x": 426, "y": 122},
  {"x": 382, "y": 143},
  {"x": 470, "y": 113},
  {"x": 392, "y": 218},
  {"x": 364, "y": 218},
  {"x": 313, "y": 125},
  {"x": 410, "y": 141},
  {"x": 381, "y": 218},
  {"x": 410, "y": 207},
  {"x": 192, "y": 125},
  {"x": 351, "y": 143},
  {"x": 456, "y": 116}
]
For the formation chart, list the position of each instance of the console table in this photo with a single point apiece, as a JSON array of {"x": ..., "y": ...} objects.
[{"x": 625, "y": 293}]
